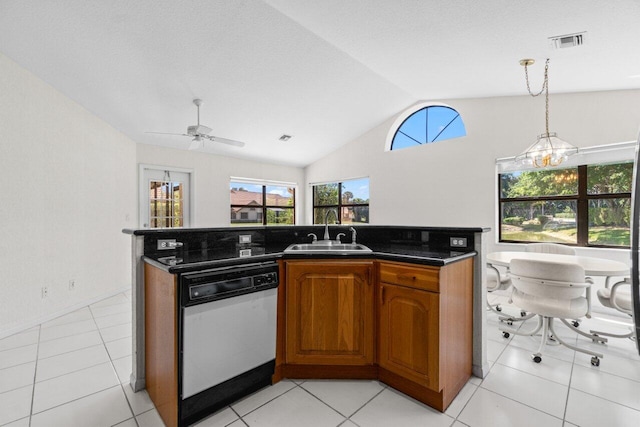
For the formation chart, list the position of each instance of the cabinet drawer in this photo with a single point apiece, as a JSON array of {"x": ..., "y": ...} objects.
[{"x": 415, "y": 277}]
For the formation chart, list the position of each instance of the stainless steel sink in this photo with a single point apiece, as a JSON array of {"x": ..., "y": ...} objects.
[{"x": 327, "y": 247}]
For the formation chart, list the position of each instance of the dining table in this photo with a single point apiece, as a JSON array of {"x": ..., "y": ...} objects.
[{"x": 592, "y": 266}]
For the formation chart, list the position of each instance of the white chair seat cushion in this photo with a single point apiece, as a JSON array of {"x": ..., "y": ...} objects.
[
  {"x": 551, "y": 307},
  {"x": 623, "y": 298}
]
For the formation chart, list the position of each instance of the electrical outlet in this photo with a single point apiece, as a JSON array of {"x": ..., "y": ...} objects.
[
  {"x": 45, "y": 292},
  {"x": 72, "y": 284},
  {"x": 458, "y": 242},
  {"x": 165, "y": 244}
]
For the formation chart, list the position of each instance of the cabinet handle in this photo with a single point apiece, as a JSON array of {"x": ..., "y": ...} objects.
[
  {"x": 382, "y": 295},
  {"x": 406, "y": 277}
]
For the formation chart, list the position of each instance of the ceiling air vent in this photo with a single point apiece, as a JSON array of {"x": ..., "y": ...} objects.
[{"x": 568, "y": 40}]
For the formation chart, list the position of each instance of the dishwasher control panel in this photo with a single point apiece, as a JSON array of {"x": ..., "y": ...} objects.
[{"x": 212, "y": 285}]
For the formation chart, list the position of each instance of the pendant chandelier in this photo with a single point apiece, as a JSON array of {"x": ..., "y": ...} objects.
[{"x": 548, "y": 150}]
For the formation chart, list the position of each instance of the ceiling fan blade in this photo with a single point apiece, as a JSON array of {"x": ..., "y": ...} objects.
[
  {"x": 224, "y": 140},
  {"x": 166, "y": 133}
]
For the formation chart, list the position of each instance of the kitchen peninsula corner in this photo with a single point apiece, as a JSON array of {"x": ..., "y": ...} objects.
[{"x": 386, "y": 314}]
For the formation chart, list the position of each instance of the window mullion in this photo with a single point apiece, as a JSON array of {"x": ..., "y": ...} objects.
[
  {"x": 583, "y": 207},
  {"x": 264, "y": 205}
]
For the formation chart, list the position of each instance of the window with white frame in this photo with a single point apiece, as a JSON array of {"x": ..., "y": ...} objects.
[
  {"x": 428, "y": 124},
  {"x": 583, "y": 205},
  {"x": 261, "y": 203}
]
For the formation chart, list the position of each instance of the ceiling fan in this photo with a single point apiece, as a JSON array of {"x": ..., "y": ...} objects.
[{"x": 200, "y": 132}]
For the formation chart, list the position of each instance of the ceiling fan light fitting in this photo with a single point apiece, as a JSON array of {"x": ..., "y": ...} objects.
[{"x": 196, "y": 143}]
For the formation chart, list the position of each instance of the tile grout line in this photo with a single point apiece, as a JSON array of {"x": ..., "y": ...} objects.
[
  {"x": 35, "y": 373},
  {"x": 510, "y": 398},
  {"x": 465, "y": 405},
  {"x": 365, "y": 404},
  {"x": 566, "y": 402},
  {"x": 113, "y": 368},
  {"x": 265, "y": 403},
  {"x": 326, "y": 404},
  {"x": 239, "y": 417}
]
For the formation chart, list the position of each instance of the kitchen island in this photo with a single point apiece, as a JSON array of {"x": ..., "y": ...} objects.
[{"x": 423, "y": 274}]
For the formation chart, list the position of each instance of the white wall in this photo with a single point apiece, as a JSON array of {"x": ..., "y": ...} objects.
[
  {"x": 453, "y": 183},
  {"x": 211, "y": 179},
  {"x": 67, "y": 194}
]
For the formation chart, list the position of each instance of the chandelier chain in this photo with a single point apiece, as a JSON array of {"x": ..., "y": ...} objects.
[{"x": 545, "y": 89}]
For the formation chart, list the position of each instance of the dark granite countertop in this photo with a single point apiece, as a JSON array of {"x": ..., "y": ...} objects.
[{"x": 179, "y": 261}]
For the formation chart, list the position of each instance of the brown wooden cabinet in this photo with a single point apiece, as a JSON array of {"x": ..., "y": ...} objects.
[
  {"x": 425, "y": 329},
  {"x": 408, "y": 337},
  {"x": 161, "y": 341},
  {"x": 329, "y": 312}
]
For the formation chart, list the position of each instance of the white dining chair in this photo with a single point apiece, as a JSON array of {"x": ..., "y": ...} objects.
[
  {"x": 550, "y": 248},
  {"x": 617, "y": 297},
  {"x": 499, "y": 280},
  {"x": 551, "y": 290}
]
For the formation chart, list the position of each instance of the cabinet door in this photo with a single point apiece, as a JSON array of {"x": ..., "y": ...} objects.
[
  {"x": 409, "y": 334},
  {"x": 330, "y": 313}
]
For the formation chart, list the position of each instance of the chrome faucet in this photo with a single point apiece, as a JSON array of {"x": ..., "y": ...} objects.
[
  {"x": 338, "y": 237},
  {"x": 353, "y": 234},
  {"x": 313, "y": 236},
  {"x": 326, "y": 223}
]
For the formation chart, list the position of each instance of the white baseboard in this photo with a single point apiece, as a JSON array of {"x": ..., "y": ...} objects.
[{"x": 34, "y": 322}]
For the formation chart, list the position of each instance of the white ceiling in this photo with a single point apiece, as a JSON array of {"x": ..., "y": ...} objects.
[{"x": 323, "y": 71}]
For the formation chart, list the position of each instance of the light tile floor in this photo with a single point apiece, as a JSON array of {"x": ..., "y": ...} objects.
[{"x": 74, "y": 371}]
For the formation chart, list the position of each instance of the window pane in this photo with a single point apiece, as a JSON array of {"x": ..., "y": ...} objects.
[
  {"x": 355, "y": 191},
  {"x": 279, "y": 216},
  {"x": 439, "y": 118},
  {"x": 326, "y": 194},
  {"x": 165, "y": 204},
  {"x": 609, "y": 221},
  {"x": 401, "y": 140},
  {"x": 355, "y": 215},
  {"x": 454, "y": 129},
  {"x": 245, "y": 216},
  {"x": 415, "y": 127},
  {"x": 245, "y": 194},
  {"x": 539, "y": 221},
  {"x": 554, "y": 182},
  {"x": 603, "y": 179},
  {"x": 279, "y": 196}
]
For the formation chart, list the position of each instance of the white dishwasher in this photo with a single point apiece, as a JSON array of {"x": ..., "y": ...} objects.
[{"x": 228, "y": 336}]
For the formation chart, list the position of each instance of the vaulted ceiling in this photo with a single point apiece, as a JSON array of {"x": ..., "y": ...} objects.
[{"x": 324, "y": 71}]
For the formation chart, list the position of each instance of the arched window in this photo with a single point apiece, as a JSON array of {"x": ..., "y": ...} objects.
[{"x": 428, "y": 124}]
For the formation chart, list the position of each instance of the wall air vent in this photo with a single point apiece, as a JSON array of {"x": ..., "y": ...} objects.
[{"x": 568, "y": 40}]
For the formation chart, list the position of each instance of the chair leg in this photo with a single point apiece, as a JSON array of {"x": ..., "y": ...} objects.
[
  {"x": 507, "y": 331},
  {"x": 503, "y": 317},
  {"x": 594, "y": 360},
  {"x": 630, "y": 334},
  {"x": 537, "y": 357},
  {"x": 593, "y": 337}
]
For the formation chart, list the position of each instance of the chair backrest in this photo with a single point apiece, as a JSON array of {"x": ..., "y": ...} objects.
[
  {"x": 549, "y": 279},
  {"x": 550, "y": 248}
]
